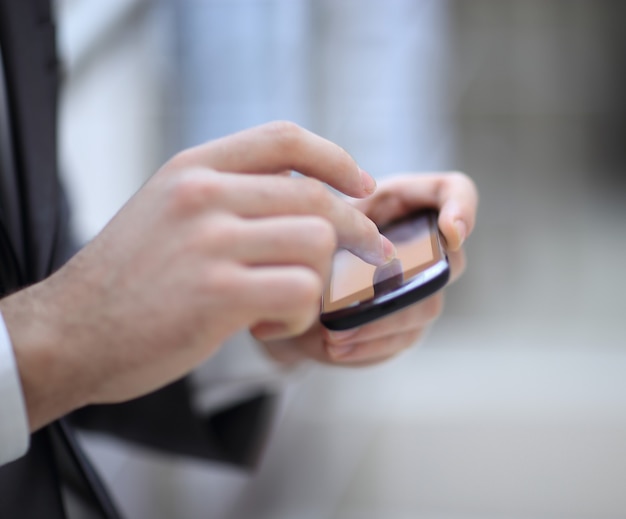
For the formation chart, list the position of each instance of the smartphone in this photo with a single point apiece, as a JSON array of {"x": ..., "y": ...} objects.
[{"x": 358, "y": 292}]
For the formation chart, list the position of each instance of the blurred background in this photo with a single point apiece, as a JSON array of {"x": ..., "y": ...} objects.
[{"x": 514, "y": 407}]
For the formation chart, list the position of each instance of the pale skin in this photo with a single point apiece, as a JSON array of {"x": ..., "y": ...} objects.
[{"x": 221, "y": 239}]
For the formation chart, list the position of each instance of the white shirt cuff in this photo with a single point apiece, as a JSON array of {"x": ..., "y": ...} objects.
[{"x": 14, "y": 431}]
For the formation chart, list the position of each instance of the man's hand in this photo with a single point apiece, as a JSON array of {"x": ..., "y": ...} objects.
[
  {"x": 216, "y": 241},
  {"x": 455, "y": 197}
]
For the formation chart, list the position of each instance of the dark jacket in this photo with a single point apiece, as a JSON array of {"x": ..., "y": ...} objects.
[{"x": 35, "y": 240}]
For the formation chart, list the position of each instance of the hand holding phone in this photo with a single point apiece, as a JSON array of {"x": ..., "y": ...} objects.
[{"x": 358, "y": 292}]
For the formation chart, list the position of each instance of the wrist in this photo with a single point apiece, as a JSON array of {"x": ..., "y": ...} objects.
[{"x": 47, "y": 362}]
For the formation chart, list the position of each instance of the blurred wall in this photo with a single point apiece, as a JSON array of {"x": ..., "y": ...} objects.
[
  {"x": 113, "y": 103},
  {"x": 539, "y": 110}
]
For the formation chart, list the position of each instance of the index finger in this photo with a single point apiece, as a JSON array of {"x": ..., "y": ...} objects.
[
  {"x": 279, "y": 146},
  {"x": 258, "y": 196}
]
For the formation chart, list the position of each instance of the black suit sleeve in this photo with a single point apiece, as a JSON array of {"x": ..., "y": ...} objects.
[{"x": 164, "y": 420}]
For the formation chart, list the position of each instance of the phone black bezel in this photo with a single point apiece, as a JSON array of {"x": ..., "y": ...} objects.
[{"x": 432, "y": 279}]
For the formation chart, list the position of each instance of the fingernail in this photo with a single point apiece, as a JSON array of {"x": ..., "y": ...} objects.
[
  {"x": 389, "y": 249},
  {"x": 342, "y": 335},
  {"x": 369, "y": 184},
  {"x": 340, "y": 350},
  {"x": 461, "y": 231}
]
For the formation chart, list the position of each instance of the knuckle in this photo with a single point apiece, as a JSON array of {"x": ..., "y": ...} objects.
[
  {"x": 213, "y": 236},
  {"x": 180, "y": 195},
  {"x": 190, "y": 191},
  {"x": 286, "y": 133},
  {"x": 457, "y": 176},
  {"x": 368, "y": 228},
  {"x": 306, "y": 295},
  {"x": 307, "y": 292},
  {"x": 217, "y": 236},
  {"x": 310, "y": 289},
  {"x": 220, "y": 282},
  {"x": 182, "y": 160},
  {"x": 463, "y": 179},
  {"x": 317, "y": 196},
  {"x": 219, "y": 233},
  {"x": 323, "y": 235}
]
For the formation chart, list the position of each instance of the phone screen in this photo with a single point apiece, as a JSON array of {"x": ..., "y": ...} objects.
[{"x": 354, "y": 281}]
